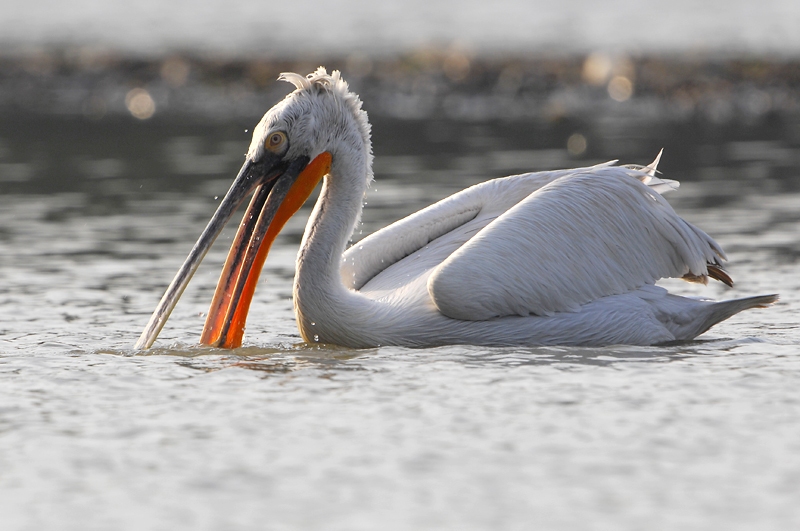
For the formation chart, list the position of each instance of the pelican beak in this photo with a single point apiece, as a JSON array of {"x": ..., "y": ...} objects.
[{"x": 279, "y": 188}]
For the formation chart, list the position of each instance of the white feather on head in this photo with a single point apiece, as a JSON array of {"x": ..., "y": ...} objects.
[
  {"x": 333, "y": 84},
  {"x": 318, "y": 77}
]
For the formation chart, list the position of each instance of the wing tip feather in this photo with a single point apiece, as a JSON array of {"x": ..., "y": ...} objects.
[{"x": 715, "y": 271}]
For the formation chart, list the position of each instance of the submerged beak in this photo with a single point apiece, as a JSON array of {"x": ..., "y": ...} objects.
[{"x": 280, "y": 189}]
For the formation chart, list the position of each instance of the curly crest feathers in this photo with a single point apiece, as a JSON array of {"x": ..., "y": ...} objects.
[
  {"x": 295, "y": 79},
  {"x": 319, "y": 83},
  {"x": 319, "y": 78}
]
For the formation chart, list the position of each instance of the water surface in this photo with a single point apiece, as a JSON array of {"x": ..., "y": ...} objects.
[{"x": 280, "y": 435}]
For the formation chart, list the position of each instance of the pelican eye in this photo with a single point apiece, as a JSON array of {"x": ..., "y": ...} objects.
[{"x": 276, "y": 142}]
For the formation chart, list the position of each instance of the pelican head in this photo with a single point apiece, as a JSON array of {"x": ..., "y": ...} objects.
[{"x": 316, "y": 127}]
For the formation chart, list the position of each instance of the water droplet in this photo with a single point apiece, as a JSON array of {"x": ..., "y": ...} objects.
[
  {"x": 246, "y": 131},
  {"x": 316, "y": 338},
  {"x": 313, "y": 324},
  {"x": 216, "y": 197}
]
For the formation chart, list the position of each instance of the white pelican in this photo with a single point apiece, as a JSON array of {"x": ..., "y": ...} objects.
[{"x": 565, "y": 257}]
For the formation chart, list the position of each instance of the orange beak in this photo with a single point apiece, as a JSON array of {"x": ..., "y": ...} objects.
[
  {"x": 228, "y": 312},
  {"x": 280, "y": 189}
]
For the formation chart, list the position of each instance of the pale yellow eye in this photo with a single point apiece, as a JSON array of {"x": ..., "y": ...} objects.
[{"x": 275, "y": 142}]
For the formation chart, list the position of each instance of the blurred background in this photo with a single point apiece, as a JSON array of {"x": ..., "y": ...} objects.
[{"x": 112, "y": 98}]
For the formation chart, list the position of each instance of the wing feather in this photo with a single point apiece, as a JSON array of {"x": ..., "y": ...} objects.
[
  {"x": 587, "y": 234},
  {"x": 378, "y": 251}
]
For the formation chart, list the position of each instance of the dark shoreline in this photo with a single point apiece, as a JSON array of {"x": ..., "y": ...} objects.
[
  {"x": 427, "y": 84},
  {"x": 67, "y": 120}
]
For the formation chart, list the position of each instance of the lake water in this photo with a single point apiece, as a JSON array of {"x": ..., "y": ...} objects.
[{"x": 96, "y": 216}]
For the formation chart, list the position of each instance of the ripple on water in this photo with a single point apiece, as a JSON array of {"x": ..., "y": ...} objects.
[{"x": 698, "y": 435}]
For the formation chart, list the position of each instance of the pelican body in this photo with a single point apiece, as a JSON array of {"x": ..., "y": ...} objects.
[{"x": 565, "y": 257}]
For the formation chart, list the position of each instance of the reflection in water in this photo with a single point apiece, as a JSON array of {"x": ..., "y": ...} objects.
[
  {"x": 324, "y": 358},
  {"x": 278, "y": 360}
]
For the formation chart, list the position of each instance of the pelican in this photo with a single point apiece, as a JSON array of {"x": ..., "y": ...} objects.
[{"x": 567, "y": 257}]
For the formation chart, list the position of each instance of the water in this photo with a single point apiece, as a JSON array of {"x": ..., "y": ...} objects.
[
  {"x": 96, "y": 216},
  {"x": 98, "y": 210}
]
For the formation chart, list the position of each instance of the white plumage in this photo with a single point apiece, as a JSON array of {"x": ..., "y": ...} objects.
[{"x": 561, "y": 257}]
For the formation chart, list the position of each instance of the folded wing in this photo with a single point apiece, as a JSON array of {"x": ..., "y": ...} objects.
[
  {"x": 587, "y": 234},
  {"x": 390, "y": 245}
]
